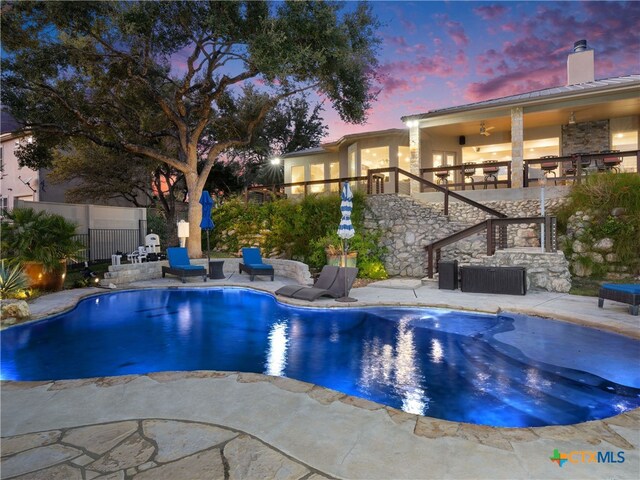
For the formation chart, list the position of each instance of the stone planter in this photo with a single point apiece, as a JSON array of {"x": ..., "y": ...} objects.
[
  {"x": 49, "y": 281},
  {"x": 337, "y": 260}
]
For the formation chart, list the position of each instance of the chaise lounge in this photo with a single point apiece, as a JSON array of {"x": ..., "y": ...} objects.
[
  {"x": 331, "y": 283},
  {"x": 180, "y": 265},
  {"x": 624, "y": 293},
  {"x": 253, "y": 264}
]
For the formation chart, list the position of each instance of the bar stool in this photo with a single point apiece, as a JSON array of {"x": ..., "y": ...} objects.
[
  {"x": 443, "y": 177},
  {"x": 550, "y": 167},
  {"x": 490, "y": 171},
  {"x": 469, "y": 170}
]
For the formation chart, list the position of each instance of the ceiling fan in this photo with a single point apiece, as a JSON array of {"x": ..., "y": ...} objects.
[{"x": 485, "y": 130}]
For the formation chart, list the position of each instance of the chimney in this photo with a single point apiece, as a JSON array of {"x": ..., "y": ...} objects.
[{"x": 580, "y": 64}]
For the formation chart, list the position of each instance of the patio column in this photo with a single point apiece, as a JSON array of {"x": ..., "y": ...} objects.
[
  {"x": 517, "y": 147},
  {"x": 414, "y": 152}
]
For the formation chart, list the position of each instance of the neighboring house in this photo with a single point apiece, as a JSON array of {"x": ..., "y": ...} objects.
[
  {"x": 22, "y": 183},
  {"x": 585, "y": 116},
  {"x": 17, "y": 183}
]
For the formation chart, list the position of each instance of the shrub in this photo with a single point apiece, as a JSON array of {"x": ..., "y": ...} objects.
[
  {"x": 300, "y": 230},
  {"x": 30, "y": 236},
  {"x": 599, "y": 195},
  {"x": 12, "y": 281}
]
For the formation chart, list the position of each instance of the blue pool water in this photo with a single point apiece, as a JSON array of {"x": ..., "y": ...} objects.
[{"x": 501, "y": 370}]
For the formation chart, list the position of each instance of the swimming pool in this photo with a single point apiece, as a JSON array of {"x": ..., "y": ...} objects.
[{"x": 501, "y": 370}]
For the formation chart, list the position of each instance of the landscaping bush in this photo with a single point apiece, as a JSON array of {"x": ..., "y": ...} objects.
[
  {"x": 298, "y": 230},
  {"x": 13, "y": 283},
  {"x": 607, "y": 206}
]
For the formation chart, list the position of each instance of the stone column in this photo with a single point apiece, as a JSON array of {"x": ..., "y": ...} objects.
[
  {"x": 414, "y": 151},
  {"x": 517, "y": 147}
]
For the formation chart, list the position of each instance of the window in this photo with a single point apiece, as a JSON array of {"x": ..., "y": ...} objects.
[
  {"x": 316, "y": 171},
  {"x": 541, "y": 148},
  {"x": 334, "y": 172},
  {"x": 444, "y": 158},
  {"x": 297, "y": 175},
  {"x": 404, "y": 158},
  {"x": 625, "y": 141},
  {"x": 371, "y": 158},
  {"x": 352, "y": 163}
]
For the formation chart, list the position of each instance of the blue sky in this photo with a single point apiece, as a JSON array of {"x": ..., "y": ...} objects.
[{"x": 440, "y": 54}]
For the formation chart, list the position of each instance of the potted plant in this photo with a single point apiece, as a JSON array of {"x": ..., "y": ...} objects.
[
  {"x": 41, "y": 243},
  {"x": 333, "y": 249}
]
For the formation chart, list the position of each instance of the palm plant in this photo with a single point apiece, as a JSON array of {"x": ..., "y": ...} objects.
[{"x": 30, "y": 236}]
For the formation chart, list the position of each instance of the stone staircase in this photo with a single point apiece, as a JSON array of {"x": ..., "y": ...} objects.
[{"x": 410, "y": 224}]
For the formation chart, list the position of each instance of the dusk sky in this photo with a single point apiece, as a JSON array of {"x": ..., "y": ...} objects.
[{"x": 440, "y": 54}]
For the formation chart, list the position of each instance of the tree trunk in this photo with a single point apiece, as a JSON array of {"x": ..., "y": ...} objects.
[{"x": 194, "y": 242}]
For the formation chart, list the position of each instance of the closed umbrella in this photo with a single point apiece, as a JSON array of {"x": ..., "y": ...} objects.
[
  {"x": 207, "y": 223},
  {"x": 345, "y": 232}
]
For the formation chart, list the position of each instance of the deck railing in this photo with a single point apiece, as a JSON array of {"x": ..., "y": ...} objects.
[
  {"x": 574, "y": 168},
  {"x": 463, "y": 177}
]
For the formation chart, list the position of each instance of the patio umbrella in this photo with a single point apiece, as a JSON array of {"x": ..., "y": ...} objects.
[
  {"x": 345, "y": 232},
  {"x": 206, "y": 223}
]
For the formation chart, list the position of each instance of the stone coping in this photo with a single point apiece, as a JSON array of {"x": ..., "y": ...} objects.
[
  {"x": 552, "y": 307},
  {"x": 141, "y": 449}
]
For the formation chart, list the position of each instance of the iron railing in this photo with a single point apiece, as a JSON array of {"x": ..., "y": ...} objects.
[
  {"x": 496, "y": 229},
  {"x": 100, "y": 243}
]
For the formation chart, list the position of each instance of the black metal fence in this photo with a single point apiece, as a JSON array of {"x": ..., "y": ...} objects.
[{"x": 100, "y": 243}]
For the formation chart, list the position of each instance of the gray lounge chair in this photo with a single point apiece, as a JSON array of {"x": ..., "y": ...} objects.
[{"x": 331, "y": 283}]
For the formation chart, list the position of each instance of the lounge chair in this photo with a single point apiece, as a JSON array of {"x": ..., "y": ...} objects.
[
  {"x": 180, "y": 265},
  {"x": 331, "y": 283},
  {"x": 624, "y": 293},
  {"x": 253, "y": 264}
]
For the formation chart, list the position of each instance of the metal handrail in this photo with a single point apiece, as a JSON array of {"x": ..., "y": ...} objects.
[
  {"x": 550, "y": 237},
  {"x": 446, "y": 191}
]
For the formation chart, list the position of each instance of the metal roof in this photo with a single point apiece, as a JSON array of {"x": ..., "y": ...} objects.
[{"x": 522, "y": 98}]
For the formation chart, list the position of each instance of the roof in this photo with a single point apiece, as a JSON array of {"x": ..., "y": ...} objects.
[
  {"x": 352, "y": 137},
  {"x": 548, "y": 93},
  {"x": 8, "y": 124}
]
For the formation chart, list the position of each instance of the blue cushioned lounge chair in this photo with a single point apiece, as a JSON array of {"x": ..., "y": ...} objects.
[
  {"x": 624, "y": 293},
  {"x": 252, "y": 263},
  {"x": 180, "y": 265}
]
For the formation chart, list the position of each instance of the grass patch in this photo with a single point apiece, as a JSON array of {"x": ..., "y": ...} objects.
[{"x": 589, "y": 287}]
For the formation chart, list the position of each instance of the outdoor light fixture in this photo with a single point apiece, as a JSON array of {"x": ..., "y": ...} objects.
[
  {"x": 276, "y": 161},
  {"x": 183, "y": 232},
  {"x": 412, "y": 123},
  {"x": 572, "y": 119}
]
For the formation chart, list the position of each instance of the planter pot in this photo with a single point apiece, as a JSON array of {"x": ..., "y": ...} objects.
[
  {"x": 337, "y": 260},
  {"x": 49, "y": 281}
]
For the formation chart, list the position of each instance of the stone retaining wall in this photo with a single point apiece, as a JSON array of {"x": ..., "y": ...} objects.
[
  {"x": 589, "y": 255},
  {"x": 545, "y": 271},
  {"x": 407, "y": 225},
  {"x": 128, "y": 273},
  {"x": 410, "y": 225}
]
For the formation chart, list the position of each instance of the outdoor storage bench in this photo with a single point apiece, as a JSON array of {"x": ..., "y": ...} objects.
[{"x": 505, "y": 280}]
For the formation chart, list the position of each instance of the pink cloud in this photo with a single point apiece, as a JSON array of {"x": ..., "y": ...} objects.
[
  {"x": 514, "y": 83},
  {"x": 397, "y": 41},
  {"x": 457, "y": 33},
  {"x": 490, "y": 12}
]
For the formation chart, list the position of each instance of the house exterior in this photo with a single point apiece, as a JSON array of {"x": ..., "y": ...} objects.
[
  {"x": 585, "y": 116},
  {"x": 27, "y": 185}
]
